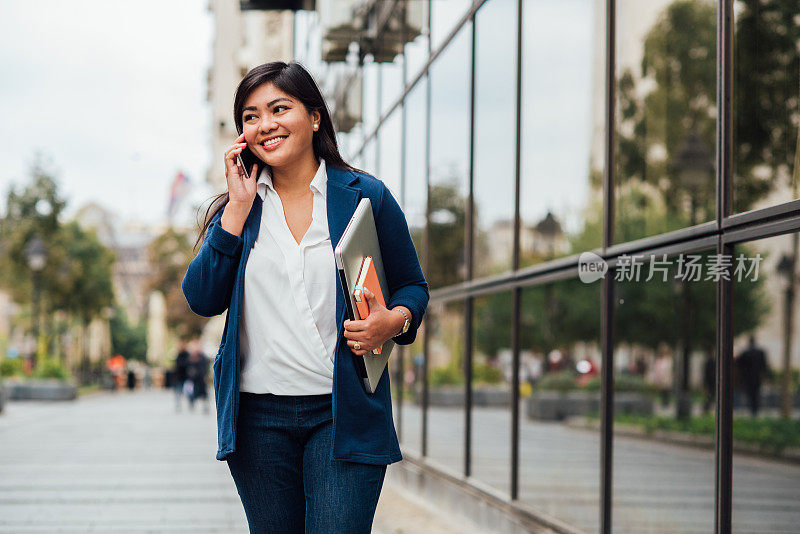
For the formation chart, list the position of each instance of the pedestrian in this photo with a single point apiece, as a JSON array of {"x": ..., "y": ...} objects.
[
  {"x": 196, "y": 373},
  {"x": 752, "y": 366},
  {"x": 181, "y": 361},
  {"x": 279, "y": 401},
  {"x": 131, "y": 380}
]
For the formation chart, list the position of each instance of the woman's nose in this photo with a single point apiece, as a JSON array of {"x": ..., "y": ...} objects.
[{"x": 268, "y": 124}]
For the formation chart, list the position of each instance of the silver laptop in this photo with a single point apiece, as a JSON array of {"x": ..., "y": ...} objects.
[{"x": 360, "y": 239}]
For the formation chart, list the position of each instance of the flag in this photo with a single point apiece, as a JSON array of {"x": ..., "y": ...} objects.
[{"x": 177, "y": 192}]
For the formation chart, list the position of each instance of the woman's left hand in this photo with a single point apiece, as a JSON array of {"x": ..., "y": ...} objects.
[{"x": 373, "y": 331}]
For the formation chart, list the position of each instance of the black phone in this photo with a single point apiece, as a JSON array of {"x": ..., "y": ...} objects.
[
  {"x": 241, "y": 165},
  {"x": 247, "y": 159}
]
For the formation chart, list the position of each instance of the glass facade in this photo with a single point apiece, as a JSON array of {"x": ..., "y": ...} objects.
[{"x": 591, "y": 186}]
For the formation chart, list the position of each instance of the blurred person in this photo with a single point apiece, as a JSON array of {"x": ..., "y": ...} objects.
[
  {"x": 752, "y": 366},
  {"x": 179, "y": 374},
  {"x": 196, "y": 373},
  {"x": 131, "y": 380},
  {"x": 661, "y": 373},
  {"x": 116, "y": 365},
  {"x": 278, "y": 412}
]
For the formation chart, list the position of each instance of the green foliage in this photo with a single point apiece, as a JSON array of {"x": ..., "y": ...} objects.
[
  {"x": 127, "y": 339},
  {"x": 557, "y": 381},
  {"x": 76, "y": 277},
  {"x": 10, "y": 367},
  {"x": 447, "y": 236},
  {"x": 624, "y": 382},
  {"x": 51, "y": 368},
  {"x": 772, "y": 435},
  {"x": 170, "y": 255},
  {"x": 483, "y": 373},
  {"x": 449, "y": 375}
]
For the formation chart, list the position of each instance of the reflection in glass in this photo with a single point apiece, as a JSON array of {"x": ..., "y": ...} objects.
[
  {"x": 495, "y": 127},
  {"x": 410, "y": 429},
  {"x": 444, "y": 17},
  {"x": 449, "y": 161},
  {"x": 766, "y": 103},
  {"x": 491, "y": 390},
  {"x": 369, "y": 157},
  {"x": 389, "y": 147},
  {"x": 446, "y": 384},
  {"x": 416, "y": 52},
  {"x": 664, "y": 347},
  {"x": 559, "y": 469},
  {"x": 562, "y": 154},
  {"x": 766, "y": 380},
  {"x": 370, "y": 94},
  {"x": 416, "y": 182},
  {"x": 666, "y": 116},
  {"x": 391, "y": 83}
]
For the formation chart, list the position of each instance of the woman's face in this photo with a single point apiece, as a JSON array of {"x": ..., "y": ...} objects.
[{"x": 269, "y": 114}]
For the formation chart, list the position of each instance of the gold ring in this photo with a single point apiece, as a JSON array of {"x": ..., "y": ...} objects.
[{"x": 357, "y": 346}]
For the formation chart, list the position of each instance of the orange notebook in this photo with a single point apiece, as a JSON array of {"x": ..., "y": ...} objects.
[{"x": 367, "y": 278}]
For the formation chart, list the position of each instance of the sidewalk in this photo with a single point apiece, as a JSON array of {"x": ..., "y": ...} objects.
[{"x": 127, "y": 462}]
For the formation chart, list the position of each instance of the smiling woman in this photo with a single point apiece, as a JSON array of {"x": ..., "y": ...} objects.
[{"x": 285, "y": 378}]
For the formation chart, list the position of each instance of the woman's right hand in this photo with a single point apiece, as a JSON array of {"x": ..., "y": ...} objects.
[{"x": 241, "y": 190}]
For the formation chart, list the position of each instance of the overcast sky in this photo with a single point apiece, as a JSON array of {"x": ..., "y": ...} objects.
[{"x": 112, "y": 92}]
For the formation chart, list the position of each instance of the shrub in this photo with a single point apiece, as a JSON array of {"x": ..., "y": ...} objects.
[
  {"x": 51, "y": 368},
  {"x": 486, "y": 374},
  {"x": 557, "y": 381},
  {"x": 624, "y": 383},
  {"x": 11, "y": 367},
  {"x": 446, "y": 376}
]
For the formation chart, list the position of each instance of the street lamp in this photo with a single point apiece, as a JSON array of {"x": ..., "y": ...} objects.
[
  {"x": 694, "y": 168},
  {"x": 36, "y": 254}
]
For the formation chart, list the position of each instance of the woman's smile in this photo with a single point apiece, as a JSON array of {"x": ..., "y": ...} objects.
[{"x": 274, "y": 142}]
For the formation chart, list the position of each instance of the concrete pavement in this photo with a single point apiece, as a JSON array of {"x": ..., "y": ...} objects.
[{"x": 127, "y": 462}]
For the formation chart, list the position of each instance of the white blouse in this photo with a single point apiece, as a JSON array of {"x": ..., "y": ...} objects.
[{"x": 288, "y": 325}]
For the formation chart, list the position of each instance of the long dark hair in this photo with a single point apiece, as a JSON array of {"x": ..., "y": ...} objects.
[{"x": 293, "y": 79}]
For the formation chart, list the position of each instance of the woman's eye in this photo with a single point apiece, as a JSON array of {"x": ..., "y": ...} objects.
[
  {"x": 276, "y": 108},
  {"x": 247, "y": 117}
]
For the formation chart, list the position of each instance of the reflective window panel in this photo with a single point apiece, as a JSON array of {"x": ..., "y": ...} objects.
[
  {"x": 559, "y": 469},
  {"x": 563, "y": 128},
  {"x": 446, "y": 385},
  {"x": 449, "y": 161},
  {"x": 666, "y": 85},
  {"x": 766, "y": 378},
  {"x": 495, "y": 135},
  {"x": 664, "y": 343},
  {"x": 766, "y": 103}
]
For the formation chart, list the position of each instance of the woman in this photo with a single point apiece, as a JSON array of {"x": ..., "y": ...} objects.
[{"x": 306, "y": 445}]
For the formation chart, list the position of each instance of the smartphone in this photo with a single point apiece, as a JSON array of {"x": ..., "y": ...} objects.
[{"x": 241, "y": 164}]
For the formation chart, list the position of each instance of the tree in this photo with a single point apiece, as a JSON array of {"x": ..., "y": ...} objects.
[
  {"x": 127, "y": 339},
  {"x": 446, "y": 232},
  {"x": 169, "y": 255}
]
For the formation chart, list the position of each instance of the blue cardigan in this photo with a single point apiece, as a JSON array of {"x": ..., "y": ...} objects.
[{"x": 363, "y": 427}]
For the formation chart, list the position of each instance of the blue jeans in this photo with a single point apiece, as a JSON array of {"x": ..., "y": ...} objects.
[{"x": 284, "y": 473}]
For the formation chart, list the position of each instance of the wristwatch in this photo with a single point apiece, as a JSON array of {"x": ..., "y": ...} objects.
[{"x": 406, "y": 324}]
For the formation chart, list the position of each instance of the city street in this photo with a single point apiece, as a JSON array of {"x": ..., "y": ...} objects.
[{"x": 127, "y": 462}]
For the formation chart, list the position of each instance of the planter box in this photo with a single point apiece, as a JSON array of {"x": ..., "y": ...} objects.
[
  {"x": 453, "y": 396},
  {"x": 557, "y": 406},
  {"x": 46, "y": 389}
]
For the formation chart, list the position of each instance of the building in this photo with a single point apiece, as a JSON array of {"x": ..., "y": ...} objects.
[{"x": 607, "y": 127}]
